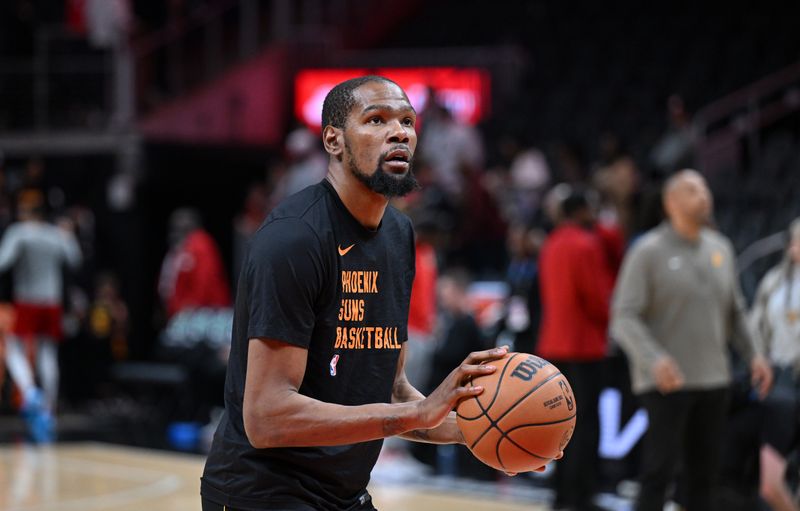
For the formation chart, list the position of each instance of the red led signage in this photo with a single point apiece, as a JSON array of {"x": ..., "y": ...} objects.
[{"x": 464, "y": 91}]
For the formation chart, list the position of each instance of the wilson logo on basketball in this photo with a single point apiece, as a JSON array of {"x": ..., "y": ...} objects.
[{"x": 528, "y": 368}]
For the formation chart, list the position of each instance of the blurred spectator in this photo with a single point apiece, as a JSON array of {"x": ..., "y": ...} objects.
[
  {"x": 459, "y": 335},
  {"x": 305, "y": 164},
  {"x": 192, "y": 274},
  {"x": 676, "y": 305},
  {"x": 308, "y": 163},
  {"x": 675, "y": 149},
  {"x": 776, "y": 321},
  {"x": 101, "y": 341},
  {"x": 249, "y": 219},
  {"x": 422, "y": 308},
  {"x": 523, "y": 307},
  {"x": 551, "y": 205},
  {"x": 618, "y": 184},
  {"x": 108, "y": 316},
  {"x": 528, "y": 177},
  {"x": 108, "y": 21},
  {"x": 37, "y": 251},
  {"x": 479, "y": 243},
  {"x": 459, "y": 332},
  {"x": 448, "y": 145},
  {"x": 576, "y": 289}
]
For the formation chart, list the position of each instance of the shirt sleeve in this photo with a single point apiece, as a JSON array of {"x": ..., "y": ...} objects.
[
  {"x": 9, "y": 248},
  {"x": 631, "y": 299},
  {"x": 285, "y": 276}
]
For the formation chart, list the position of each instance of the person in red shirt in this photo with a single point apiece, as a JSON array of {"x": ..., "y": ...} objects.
[
  {"x": 576, "y": 285},
  {"x": 192, "y": 274}
]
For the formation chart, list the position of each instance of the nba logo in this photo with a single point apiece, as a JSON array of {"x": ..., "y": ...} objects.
[{"x": 334, "y": 361}]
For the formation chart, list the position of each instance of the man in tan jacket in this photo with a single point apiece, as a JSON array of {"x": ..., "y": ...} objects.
[{"x": 676, "y": 305}]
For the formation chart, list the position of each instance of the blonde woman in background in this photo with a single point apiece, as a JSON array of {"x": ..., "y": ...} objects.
[{"x": 776, "y": 323}]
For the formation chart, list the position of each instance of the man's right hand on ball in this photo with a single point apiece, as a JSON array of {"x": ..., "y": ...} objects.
[{"x": 434, "y": 409}]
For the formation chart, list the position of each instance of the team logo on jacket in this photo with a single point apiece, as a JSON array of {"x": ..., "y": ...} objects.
[{"x": 334, "y": 361}]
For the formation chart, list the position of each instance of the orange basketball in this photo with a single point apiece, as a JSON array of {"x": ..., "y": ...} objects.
[{"x": 524, "y": 417}]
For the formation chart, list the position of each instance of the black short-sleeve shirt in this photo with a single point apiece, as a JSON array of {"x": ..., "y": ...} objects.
[{"x": 316, "y": 278}]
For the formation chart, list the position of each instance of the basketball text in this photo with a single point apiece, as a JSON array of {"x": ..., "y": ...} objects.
[{"x": 528, "y": 368}]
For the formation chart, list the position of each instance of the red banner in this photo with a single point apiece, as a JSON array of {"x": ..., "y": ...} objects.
[{"x": 464, "y": 91}]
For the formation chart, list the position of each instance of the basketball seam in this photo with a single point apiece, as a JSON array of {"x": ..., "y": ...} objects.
[
  {"x": 494, "y": 397},
  {"x": 523, "y": 398},
  {"x": 504, "y": 435},
  {"x": 497, "y": 448},
  {"x": 493, "y": 423},
  {"x": 499, "y": 380},
  {"x": 542, "y": 423},
  {"x": 497, "y": 451}
]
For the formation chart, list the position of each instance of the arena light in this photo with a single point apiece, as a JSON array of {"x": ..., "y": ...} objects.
[{"x": 464, "y": 91}]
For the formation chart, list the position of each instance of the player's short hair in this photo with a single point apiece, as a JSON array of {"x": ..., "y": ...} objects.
[{"x": 340, "y": 100}]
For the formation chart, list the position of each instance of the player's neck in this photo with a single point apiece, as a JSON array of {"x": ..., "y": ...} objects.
[
  {"x": 366, "y": 206},
  {"x": 686, "y": 229}
]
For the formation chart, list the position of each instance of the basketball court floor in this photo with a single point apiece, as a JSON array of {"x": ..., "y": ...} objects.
[{"x": 105, "y": 477}]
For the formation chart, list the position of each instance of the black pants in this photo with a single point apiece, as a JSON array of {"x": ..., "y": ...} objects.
[
  {"x": 575, "y": 480},
  {"x": 213, "y": 506},
  {"x": 686, "y": 425}
]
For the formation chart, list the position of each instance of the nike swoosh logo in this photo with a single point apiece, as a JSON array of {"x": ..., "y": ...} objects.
[{"x": 343, "y": 251}]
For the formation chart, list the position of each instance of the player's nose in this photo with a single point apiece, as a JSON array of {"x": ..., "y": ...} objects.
[{"x": 397, "y": 133}]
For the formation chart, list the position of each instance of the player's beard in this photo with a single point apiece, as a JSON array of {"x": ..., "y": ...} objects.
[{"x": 382, "y": 182}]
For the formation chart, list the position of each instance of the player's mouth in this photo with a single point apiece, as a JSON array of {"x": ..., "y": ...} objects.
[{"x": 398, "y": 160}]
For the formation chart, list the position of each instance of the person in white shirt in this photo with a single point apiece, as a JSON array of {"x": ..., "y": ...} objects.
[
  {"x": 36, "y": 251},
  {"x": 775, "y": 318}
]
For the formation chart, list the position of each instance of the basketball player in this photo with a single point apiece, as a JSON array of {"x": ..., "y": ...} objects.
[
  {"x": 37, "y": 251},
  {"x": 676, "y": 304},
  {"x": 315, "y": 378}
]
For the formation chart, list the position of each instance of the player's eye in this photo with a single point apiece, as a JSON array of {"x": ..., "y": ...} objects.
[
  {"x": 408, "y": 121},
  {"x": 375, "y": 120}
]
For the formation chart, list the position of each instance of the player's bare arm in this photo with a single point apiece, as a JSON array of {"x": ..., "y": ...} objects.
[
  {"x": 447, "y": 432},
  {"x": 277, "y": 415}
]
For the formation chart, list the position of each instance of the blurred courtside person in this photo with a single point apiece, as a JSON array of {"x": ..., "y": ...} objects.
[
  {"x": 676, "y": 304},
  {"x": 775, "y": 319},
  {"x": 37, "y": 252}
]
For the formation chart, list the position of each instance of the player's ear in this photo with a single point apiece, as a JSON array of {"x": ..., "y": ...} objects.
[{"x": 333, "y": 140}]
